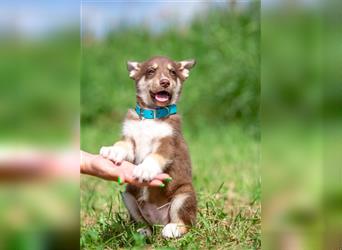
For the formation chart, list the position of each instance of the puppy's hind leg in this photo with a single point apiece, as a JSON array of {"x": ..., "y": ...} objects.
[
  {"x": 182, "y": 215},
  {"x": 132, "y": 207}
]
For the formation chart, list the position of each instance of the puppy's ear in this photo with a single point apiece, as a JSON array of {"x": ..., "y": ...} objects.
[
  {"x": 185, "y": 66},
  {"x": 133, "y": 68}
]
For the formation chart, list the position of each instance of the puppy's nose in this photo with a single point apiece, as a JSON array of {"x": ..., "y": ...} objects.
[{"x": 164, "y": 83}]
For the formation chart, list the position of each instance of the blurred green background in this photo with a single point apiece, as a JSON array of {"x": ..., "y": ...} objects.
[
  {"x": 223, "y": 88},
  {"x": 39, "y": 97},
  {"x": 220, "y": 109},
  {"x": 39, "y": 111}
]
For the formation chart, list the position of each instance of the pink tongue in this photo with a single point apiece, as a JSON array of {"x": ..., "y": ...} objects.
[{"x": 162, "y": 97}]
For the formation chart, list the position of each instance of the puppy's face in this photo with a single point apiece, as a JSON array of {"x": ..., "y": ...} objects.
[{"x": 159, "y": 80}]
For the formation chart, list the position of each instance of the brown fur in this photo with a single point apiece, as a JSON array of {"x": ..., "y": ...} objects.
[
  {"x": 175, "y": 150},
  {"x": 172, "y": 152}
]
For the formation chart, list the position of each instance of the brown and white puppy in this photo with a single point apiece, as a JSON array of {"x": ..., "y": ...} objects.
[{"x": 156, "y": 146}]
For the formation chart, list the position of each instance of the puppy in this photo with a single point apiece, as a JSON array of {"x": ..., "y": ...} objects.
[{"x": 152, "y": 139}]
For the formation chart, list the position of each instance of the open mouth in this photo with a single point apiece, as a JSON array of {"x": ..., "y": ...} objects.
[{"x": 161, "y": 96}]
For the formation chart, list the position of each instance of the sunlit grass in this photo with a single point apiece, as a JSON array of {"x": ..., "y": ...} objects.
[{"x": 227, "y": 180}]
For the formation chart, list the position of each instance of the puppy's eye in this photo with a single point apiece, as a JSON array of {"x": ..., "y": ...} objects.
[
  {"x": 150, "y": 72},
  {"x": 172, "y": 72}
]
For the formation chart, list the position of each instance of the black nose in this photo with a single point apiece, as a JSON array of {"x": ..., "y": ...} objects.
[{"x": 164, "y": 83}]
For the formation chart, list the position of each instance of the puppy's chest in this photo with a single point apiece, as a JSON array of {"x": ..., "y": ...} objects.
[{"x": 146, "y": 135}]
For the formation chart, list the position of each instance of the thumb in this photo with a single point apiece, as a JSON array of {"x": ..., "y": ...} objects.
[
  {"x": 156, "y": 183},
  {"x": 163, "y": 177}
]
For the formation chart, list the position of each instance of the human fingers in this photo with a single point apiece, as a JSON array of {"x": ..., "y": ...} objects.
[
  {"x": 156, "y": 183},
  {"x": 106, "y": 169},
  {"x": 163, "y": 177}
]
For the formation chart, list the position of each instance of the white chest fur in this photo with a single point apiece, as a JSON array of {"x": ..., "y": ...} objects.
[{"x": 146, "y": 134}]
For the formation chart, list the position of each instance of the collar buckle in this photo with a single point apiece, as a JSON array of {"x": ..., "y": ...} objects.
[{"x": 163, "y": 112}]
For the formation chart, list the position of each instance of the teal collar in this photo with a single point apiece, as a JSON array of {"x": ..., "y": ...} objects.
[{"x": 160, "y": 112}]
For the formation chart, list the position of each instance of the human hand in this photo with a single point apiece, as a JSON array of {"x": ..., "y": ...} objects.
[
  {"x": 127, "y": 168},
  {"x": 98, "y": 166}
]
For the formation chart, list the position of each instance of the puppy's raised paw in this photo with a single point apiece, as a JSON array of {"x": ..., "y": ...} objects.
[
  {"x": 147, "y": 170},
  {"x": 114, "y": 153}
]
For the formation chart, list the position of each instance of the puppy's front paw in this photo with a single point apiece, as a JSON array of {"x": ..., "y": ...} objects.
[
  {"x": 115, "y": 153},
  {"x": 147, "y": 170}
]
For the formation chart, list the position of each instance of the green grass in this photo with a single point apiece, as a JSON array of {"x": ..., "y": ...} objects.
[{"x": 227, "y": 180}]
